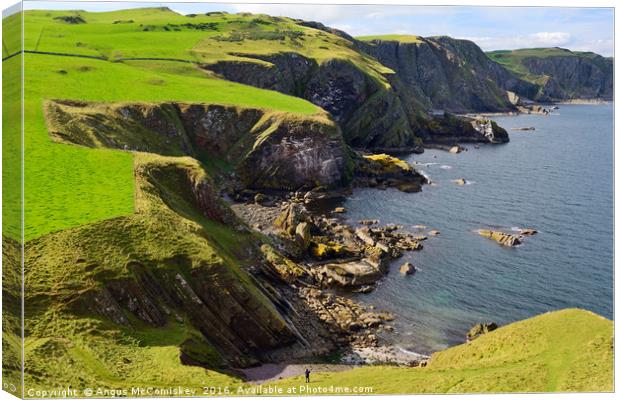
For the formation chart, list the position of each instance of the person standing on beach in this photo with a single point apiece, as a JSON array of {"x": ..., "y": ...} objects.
[{"x": 307, "y": 375}]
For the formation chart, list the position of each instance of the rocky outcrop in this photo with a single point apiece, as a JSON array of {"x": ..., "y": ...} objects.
[
  {"x": 351, "y": 274},
  {"x": 383, "y": 170},
  {"x": 451, "y": 130},
  {"x": 240, "y": 333},
  {"x": 500, "y": 237},
  {"x": 480, "y": 329},
  {"x": 268, "y": 150}
]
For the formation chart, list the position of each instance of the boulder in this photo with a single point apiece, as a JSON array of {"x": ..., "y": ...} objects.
[
  {"x": 364, "y": 235},
  {"x": 302, "y": 235},
  {"x": 340, "y": 210},
  {"x": 500, "y": 237},
  {"x": 480, "y": 329},
  {"x": 455, "y": 149},
  {"x": 460, "y": 181},
  {"x": 351, "y": 274},
  {"x": 291, "y": 216},
  {"x": 407, "y": 269}
]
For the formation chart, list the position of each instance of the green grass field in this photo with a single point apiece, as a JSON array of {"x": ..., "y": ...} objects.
[
  {"x": 563, "y": 351},
  {"x": 160, "y": 32},
  {"x": 66, "y": 185}
]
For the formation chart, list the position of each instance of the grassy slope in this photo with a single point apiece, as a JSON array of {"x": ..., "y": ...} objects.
[
  {"x": 159, "y": 32},
  {"x": 568, "y": 350},
  {"x": 67, "y": 185},
  {"x": 398, "y": 38},
  {"x": 89, "y": 351}
]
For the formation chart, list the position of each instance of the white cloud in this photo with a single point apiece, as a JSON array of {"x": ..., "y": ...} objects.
[{"x": 538, "y": 39}]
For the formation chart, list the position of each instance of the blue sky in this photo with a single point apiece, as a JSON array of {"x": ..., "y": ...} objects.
[{"x": 492, "y": 28}]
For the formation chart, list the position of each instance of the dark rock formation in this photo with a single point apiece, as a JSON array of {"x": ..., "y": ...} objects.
[
  {"x": 451, "y": 130},
  {"x": 383, "y": 170}
]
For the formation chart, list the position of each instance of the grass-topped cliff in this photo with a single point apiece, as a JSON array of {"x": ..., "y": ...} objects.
[
  {"x": 156, "y": 55},
  {"x": 563, "y": 351},
  {"x": 560, "y": 73}
]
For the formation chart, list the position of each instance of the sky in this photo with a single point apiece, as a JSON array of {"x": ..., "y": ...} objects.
[{"x": 492, "y": 28}]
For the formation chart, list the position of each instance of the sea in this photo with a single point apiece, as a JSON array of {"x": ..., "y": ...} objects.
[{"x": 557, "y": 179}]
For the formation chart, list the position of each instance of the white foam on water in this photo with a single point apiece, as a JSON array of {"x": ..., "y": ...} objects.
[{"x": 446, "y": 167}]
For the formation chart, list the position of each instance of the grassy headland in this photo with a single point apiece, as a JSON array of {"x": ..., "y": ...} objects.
[{"x": 563, "y": 351}]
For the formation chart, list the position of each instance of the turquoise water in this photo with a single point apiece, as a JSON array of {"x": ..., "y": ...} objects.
[{"x": 557, "y": 179}]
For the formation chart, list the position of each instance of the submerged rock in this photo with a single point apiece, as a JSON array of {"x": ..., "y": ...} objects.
[
  {"x": 528, "y": 231},
  {"x": 460, "y": 181},
  {"x": 500, "y": 237}
]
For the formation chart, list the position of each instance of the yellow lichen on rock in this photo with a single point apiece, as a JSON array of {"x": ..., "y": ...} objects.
[
  {"x": 500, "y": 237},
  {"x": 389, "y": 163}
]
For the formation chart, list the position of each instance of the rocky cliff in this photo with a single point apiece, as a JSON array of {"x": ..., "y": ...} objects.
[
  {"x": 267, "y": 150},
  {"x": 369, "y": 112},
  {"x": 372, "y": 113},
  {"x": 446, "y": 73},
  {"x": 560, "y": 74}
]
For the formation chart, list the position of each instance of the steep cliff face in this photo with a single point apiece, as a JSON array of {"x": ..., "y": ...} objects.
[
  {"x": 560, "y": 74},
  {"x": 268, "y": 150},
  {"x": 573, "y": 77},
  {"x": 369, "y": 111},
  {"x": 446, "y": 73},
  {"x": 376, "y": 114}
]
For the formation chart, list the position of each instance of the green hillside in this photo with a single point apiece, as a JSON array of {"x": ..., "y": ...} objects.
[
  {"x": 68, "y": 185},
  {"x": 162, "y": 33},
  {"x": 562, "y": 351}
]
